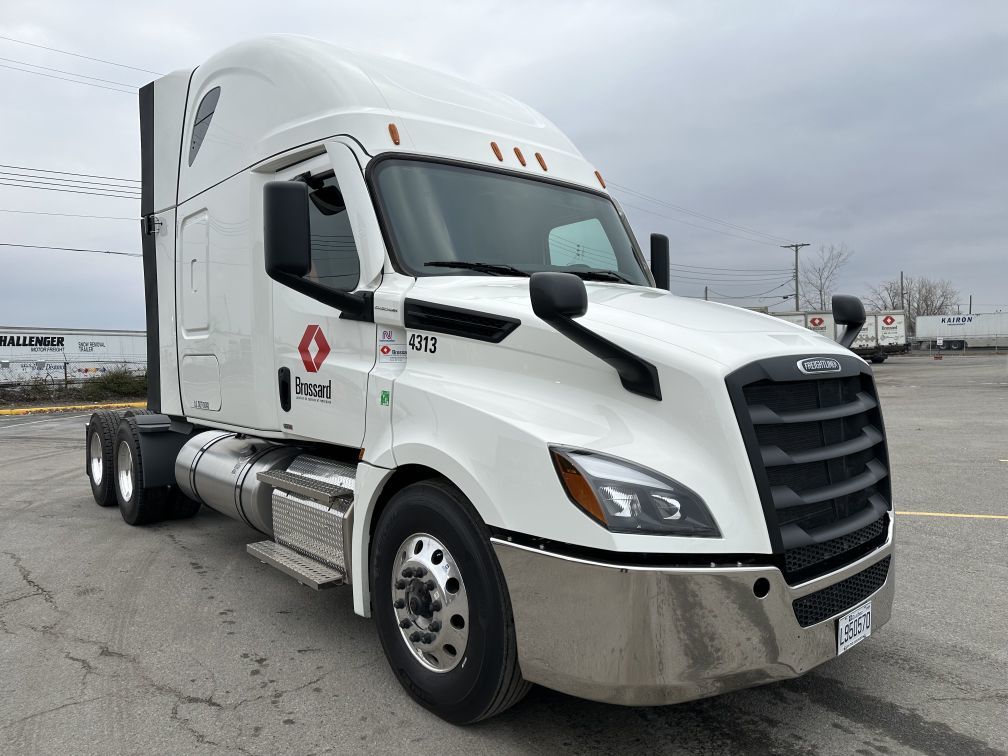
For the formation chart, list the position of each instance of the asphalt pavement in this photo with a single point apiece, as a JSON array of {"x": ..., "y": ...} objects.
[{"x": 171, "y": 639}]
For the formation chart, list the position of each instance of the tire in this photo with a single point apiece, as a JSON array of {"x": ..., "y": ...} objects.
[
  {"x": 485, "y": 678},
  {"x": 138, "y": 505},
  {"x": 99, "y": 464},
  {"x": 132, "y": 412}
]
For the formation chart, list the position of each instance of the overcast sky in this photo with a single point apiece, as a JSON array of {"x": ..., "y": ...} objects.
[{"x": 880, "y": 125}]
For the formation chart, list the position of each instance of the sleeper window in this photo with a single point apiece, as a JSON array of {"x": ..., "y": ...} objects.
[
  {"x": 204, "y": 113},
  {"x": 334, "y": 254}
]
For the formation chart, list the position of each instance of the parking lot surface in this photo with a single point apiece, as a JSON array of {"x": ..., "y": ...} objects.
[{"x": 171, "y": 639}]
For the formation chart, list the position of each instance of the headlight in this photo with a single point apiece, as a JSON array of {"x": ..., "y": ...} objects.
[{"x": 626, "y": 498}]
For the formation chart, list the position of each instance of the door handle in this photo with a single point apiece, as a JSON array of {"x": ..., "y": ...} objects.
[{"x": 284, "y": 381}]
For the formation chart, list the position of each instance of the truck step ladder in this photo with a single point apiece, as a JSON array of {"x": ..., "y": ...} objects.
[
  {"x": 320, "y": 491},
  {"x": 305, "y": 570}
]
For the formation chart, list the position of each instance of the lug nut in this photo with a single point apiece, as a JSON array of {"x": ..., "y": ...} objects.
[
  {"x": 415, "y": 636},
  {"x": 428, "y": 638},
  {"x": 430, "y": 585},
  {"x": 400, "y": 584},
  {"x": 435, "y": 606},
  {"x": 399, "y": 603},
  {"x": 405, "y": 624},
  {"x": 435, "y": 625},
  {"x": 420, "y": 571},
  {"x": 408, "y": 572}
]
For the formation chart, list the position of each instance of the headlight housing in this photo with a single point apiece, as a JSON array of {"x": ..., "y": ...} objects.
[{"x": 628, "y": 498}]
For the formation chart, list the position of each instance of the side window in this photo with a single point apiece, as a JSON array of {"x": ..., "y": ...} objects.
[
  {"x": 582, "y": 243},
  {"x": 334, "y": 254},
  {"x": 204, "y": 113}
]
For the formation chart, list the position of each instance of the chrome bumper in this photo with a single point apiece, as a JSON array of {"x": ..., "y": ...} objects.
[{"x": 645, "y": 636}]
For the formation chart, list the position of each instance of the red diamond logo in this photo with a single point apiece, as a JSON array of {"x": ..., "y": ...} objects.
[
  {"x": 888, "y": 320},
  {"x": 816, "y": 322},
  {"x": 385, "y": 349},
  {"x": 313, "y": 335}
]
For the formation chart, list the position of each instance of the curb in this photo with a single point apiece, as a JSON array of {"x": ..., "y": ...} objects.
[{"x": 69, "y": 408}]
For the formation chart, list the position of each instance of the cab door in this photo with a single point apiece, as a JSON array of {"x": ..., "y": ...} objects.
[{"x": 322, "y": 359}]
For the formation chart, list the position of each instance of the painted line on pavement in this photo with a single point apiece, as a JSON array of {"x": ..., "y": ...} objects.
[
  {"x": 955, "y": 514},
  {"x": 70, "y": 408}
]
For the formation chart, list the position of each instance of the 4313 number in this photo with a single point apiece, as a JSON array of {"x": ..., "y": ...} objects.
[{"x": 420, "y": 343}]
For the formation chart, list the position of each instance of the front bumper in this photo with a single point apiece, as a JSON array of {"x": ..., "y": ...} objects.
[{"x": 645, "y": 636}]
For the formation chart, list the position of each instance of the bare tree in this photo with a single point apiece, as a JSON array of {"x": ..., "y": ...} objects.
[
  {"x": 920, "y": 296},
  {"x": 819, "y": 273}
]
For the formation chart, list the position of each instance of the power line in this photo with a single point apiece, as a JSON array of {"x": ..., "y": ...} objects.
[
  {"x": 73, "y": 249},
  {"x": 72, "y": 182},
  {"x": 754, "y": 270},
  {"x": 63, "y": 78},
  {"x": 697, "y": 225},
  {"x": 696, "y": 214},
  {"x": 69, "y": 215},
  {"x": 69, "y": 73},
  {"x": 29, "y": 183},
  {"x": 78, "y": 55},
  {"x": 68, "y": 173},
  {"x": 750, "y": 296},
  {"x": 70, "y": 191}
]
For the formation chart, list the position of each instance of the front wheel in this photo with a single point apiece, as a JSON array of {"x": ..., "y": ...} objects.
[{"x": 442, "y": 607}]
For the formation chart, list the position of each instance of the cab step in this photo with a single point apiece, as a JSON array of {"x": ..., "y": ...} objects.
[
  {"x": 305, "y": 570},
  {"x": 320, "y": 491}
]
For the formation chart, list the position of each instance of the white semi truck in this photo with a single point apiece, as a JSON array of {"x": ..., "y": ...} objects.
[{"x": 398, "y": 327}]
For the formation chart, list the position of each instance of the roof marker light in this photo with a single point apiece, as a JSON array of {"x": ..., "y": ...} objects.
[
  {"x": 542, "y": 161},
  {"x": 600, "y": 179},
  {"x": 394, "y": 133},
  {"x": 521, "y": 158},
  {"x": 497, "y": 151}
]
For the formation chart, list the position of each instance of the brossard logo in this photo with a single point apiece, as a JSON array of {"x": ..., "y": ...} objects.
[
  {"x": 819, "y": 365},
  {"x": 312, "y": 391},
  {"x": 817, "y": 322}
]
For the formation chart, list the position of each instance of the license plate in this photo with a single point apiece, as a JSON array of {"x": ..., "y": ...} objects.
[{"x": 853, "y": 628}]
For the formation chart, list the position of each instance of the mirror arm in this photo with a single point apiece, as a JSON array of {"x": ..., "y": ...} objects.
[{"x": 352, "y": 306}]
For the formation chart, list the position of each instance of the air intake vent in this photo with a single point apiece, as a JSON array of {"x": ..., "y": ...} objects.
[{"x": 455, "y": 321}]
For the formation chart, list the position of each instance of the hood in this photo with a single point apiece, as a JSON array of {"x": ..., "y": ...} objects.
[{"x": 645, "y": 317}]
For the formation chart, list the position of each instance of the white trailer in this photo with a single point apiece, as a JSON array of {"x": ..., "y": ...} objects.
[
  {"x": 973, "y": 330},
  {"x": 398, "y": 326},
  {"x": 70, "y": 354},
  {"x": 883, "y": 333}
]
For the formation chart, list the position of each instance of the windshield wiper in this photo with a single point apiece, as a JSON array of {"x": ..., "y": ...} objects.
[
  {"x": 592, "y": 274},
  {"x": 492, "y": 269}
]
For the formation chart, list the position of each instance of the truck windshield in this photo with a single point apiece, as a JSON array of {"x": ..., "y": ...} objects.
[{"x": 450, "y": 220}]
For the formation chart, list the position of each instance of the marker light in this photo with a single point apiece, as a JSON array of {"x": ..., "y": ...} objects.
[
  {"x": 497, "y": 151},
  {"x": 600, "y": 179},
  {"x": 542, "y": 161},
  {"x": 393, "y": 131},
  {"x": 521, "y": 158},
  {"x": 627, "y": 498}
]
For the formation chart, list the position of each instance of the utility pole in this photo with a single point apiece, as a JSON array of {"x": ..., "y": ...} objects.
[
  {"x": 795, "y": 247},
  {"x": 971, "y": 304},
  {"x": 705, "y": 294},
  {"x": 902, "y": 301}
]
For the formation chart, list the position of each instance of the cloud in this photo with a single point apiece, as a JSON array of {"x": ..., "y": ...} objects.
[{"x": 879, "y": 125}]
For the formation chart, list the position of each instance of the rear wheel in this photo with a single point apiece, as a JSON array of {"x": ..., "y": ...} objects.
[
  {"x": 442, "y": 607},
  {"x": 101, "y": 433},
  {"x": 137, "y": 504}
]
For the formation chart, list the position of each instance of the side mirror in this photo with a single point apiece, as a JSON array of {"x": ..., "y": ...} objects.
[
  {"x": 556, "y": 295},
  {"x": 660, "y": 261},
  {"x": 849, "y": 312},
  {"x": 286, "y": 228}
]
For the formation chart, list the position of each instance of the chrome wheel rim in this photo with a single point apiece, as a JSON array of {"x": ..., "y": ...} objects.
[
  {"x": 124, "y": 471},
  {"x": 430, "y": 602},
  {"x": 95, "y": 457}
]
